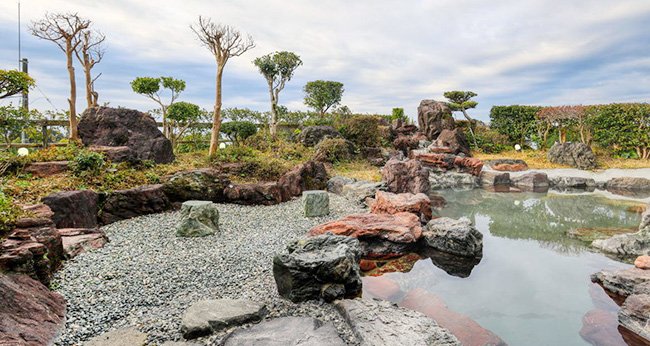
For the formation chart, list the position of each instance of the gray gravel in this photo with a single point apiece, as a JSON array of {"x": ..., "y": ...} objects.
[{"x": 147, "y": 276}]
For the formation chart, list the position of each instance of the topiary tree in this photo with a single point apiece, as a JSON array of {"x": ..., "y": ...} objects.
[
  {"x": 238, "y": 131},
  {"x": 277, "y": 68},
  {"x": 182, "y": 115},
  {"x": 321, "y": 95},
  {"x": 461, "y": 101},
  {"x": 151, "y": 88},
  {"x": 14, "y": 82}
]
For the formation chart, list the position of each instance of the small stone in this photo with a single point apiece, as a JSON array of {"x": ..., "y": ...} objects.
[
  {"x": 642, "y": 262},
  {"x": 120, "y": 337},
  {"x": 210, "y": 316},
  {"x": 316, "y": 203},
  {"x": 198, "y": 219}
]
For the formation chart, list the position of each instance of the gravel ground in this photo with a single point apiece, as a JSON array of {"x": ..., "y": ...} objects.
[{"x": 146, "y": 276}]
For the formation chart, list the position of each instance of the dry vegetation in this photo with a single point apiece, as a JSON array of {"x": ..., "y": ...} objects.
[{"x": 537, "y": 159}]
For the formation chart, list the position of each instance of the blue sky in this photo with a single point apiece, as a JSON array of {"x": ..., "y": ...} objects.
[{"x": 387, "y": 53}]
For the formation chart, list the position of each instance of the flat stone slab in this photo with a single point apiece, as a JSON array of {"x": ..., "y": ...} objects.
[
  {"x": 621, "y": 282},
  {"x": 379, "y": 322},
  {"x": 287, "y": 331},
  {"x": 209, "y": 316},
  {"x": 316, "y": 203},
  {"x": 120, "y": 337}
]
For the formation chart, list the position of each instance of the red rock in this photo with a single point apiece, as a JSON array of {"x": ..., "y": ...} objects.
[
  {"x": 381, "y": 287},
  {"x": 601, "y": 299},
  {"x": 517, "y": 167},
  {"x": 306, "y": 176},
  {"x": 408, "y": 143},
  {"x": 437, "y": 202},
  {"x": 448, "y": 162},
  {"x": 116, "y": 154},
  {"x": 391, "y": 203},
  {"x": 405, "y": 176},
  {"x": 366, "y": 265},
  {"x": 642, "y": 262},
  {"x": 468, "y": 332},
  {"x": 46, "y": 169},
  {"x": 78, "y": 240},
  {"x": 125, "y": 204},
  {"x": 451, "y": 141},
  {"x": 73, "y": 208},
  {"x": 599, "y": 328},
  {"x": 30, "y": 314},
  {"x": 397, "y": 228},
  {"x": 402, "y": 264}
]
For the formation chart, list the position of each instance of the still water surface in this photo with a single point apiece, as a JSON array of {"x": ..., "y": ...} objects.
[{"x": 532, "y": 286}]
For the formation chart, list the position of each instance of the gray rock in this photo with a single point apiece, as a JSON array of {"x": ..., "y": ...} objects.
[
  {"x": 210, "y": 316},
  {"x": 487, "y": 179},
  {"x": 635, "y": 314},
  {"x": 316, "y": 203},
  {"x": 286, "y": 331},
  {"x": 621, "y": 282},
  {"x": 631, "y": 244},
  {"x": 73, "y": 209},
  {"x": 198, "y": 219},
  {"x": 645, "y": 219},
  {"x": 496, "y": 162},
  {"x": 379, "y": 322},
  {"x": 433, "y": 117},
  {"x": 444, "y": 180},
  {"x": 458, "y": 237},
  {"x": 572, "y": 183},
  {"x": 120, "y": 337},
  {"x": 535, "y": 181},
  {"x": 405, "y": 176},
  {"x": 311, "y": 266},
  {"x": 628, "y": 185},
  {"x": 577, "y": 155},
  {"x": 312, "y": 135},
  {"x": 355, "y": 189},
  {"x": 196, "y": 184}
]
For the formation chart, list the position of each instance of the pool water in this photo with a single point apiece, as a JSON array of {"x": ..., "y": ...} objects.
[{"x": 532, "y": 286}]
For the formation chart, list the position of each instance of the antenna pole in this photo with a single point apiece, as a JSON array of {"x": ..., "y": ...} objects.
[{"x": 19, "y": 56}]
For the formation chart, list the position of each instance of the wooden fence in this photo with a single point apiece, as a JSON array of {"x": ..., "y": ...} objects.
[{"x": 44, "y": 124}]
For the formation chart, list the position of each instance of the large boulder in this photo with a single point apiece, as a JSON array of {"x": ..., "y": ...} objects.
[
  {"x": 433, "y": 117},
  {"x": 205, "y": 184},
  {"x": 283, "y": 331},
  {"x": 116, "y": 127},
  {"x": 355, "y": 189},
  {"x": 628, "y": 186},
  {"x": 125, "y": 204},
  {"x": 457, "y": 237},
  {"x": 451, "y": 142},
  {"x": 577, "y": 155},
  {"x": 211, "y": 316},
  {"x": 534, "y": 181},
  {"x": 254, "y": 194},
  {"x": 73, "y": 209},
  {"x": 391, "y": 203},
  {"x": 494, "y": 179},
  {"x": 30, "y": 314},
  {"x": 380, "y": 322},
  {"x": 312, "y": 135},
  {"x": 320, "y": 267},
  {"x": 405, "y": 176},
  {"x": 379, "y": 234},
  {"x": 306, "y": 176}
]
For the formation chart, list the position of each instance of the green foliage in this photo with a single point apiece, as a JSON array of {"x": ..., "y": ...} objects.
[
  {"x": 233, "y": 153},
  {"x": 623, "y": 128},
  {"x": 460, "y": 100},
  {"x": 9, "y": 214},
  {"x": 245, "y": 114},
  {"x": 363, "y": 131},
  {"x": 238, "y": 130},
  {"x": 278, "y": 68},
  {"x": 13, "y": 120},
  {"x": 334, "y": 149},
  {"x": 184, "y": 112},
  {"x": 515, "y": 122},
  {"x": 14, "y": 82},
  {"x": 151, "y": 88},
  {"x": 87, "y": 163},
  {"x": 321, "y": 95},
  {"x": 489, "y": 141}
]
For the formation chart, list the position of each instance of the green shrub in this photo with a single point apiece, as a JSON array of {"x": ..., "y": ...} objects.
[
  {"x": 265, "y": 168},
  {"x": 517, "y": 123},
  {"x": 9, "y": 214},
  {"x": 87, "y": 163},
  {"x": 238, "y": 131},
  {"x": 621, "y": 128},
  {"x": 363, "y": 131},
  {"x": 233, "y": 153},
  {"x": 334, "y": 150},
  {"x": 489, "y": 140}
]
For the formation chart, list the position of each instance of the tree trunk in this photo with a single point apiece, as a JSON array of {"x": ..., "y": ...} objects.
[
  {"x": 274, "y": 113},
  {"x": 73, "y": 94},
  {"x": 471, "y": 124},
  {"x": 89, "y": 81},
  {"x": 216, "y": 120},
  {"x": 166, "y": 131}
]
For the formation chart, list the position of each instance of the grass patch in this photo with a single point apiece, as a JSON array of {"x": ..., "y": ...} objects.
[
  {"x": 537, "y": 159},
  {"x": 360, "y": 169}
]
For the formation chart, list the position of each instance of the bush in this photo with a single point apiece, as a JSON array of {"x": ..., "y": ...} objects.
[
  {"x": 517, "y": 123},
  {"x": 238, "y": 130},
  {"x": 87, "y": 163},
  {"x": 489, "y": 140},
  {"x": 9, "y": 214},
  {"x": 363, "y": 131},
  {"x": 334, "y": 150},
  {"x": 622, "y": 128}
]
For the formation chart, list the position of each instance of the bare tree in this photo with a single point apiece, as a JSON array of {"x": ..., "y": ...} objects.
[
  {"x": 90, "y": 52},
  {"x": 64, "y": 30},
  {"x": 224, "y": 42}
]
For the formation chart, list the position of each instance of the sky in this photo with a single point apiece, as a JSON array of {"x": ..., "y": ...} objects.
[{"x": 387, "y": 53}]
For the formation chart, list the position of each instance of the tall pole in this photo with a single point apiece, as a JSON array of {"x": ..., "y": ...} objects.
[{"x": 22, "y": 66}]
